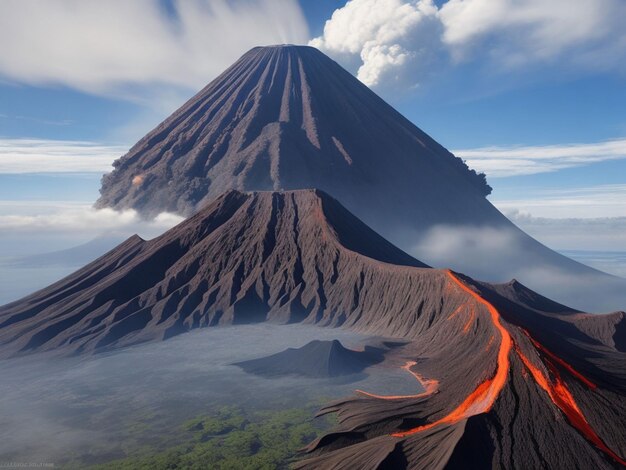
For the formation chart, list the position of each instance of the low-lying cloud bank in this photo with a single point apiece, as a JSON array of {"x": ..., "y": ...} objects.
[
  {"x": 400, "y": 42},
  {"x": 84, "y": 219},
  {"x": 30, "y": 229},
  {"x": 489, "y": 254},
  {"x": 593, "y": 234}
]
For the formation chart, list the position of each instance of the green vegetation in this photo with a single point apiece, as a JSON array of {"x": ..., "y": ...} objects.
[{"x": 232, "y": 438}]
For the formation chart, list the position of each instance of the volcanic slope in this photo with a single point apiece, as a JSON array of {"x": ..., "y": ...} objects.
[
  {"x": 511, "y": 379},
  {"x": 247, "y": 257},
  {"x": 289, "y": 117}
]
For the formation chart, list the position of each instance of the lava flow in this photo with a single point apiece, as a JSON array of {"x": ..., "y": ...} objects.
[
  {"x": 481, "y": 399},
  {"x": 560, "y": 361},
  {"x": 561, "y": 396},
  {"x": 429, "y": 385}
]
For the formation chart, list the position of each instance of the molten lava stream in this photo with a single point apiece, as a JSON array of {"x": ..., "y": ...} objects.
[
  {"x": 429, "y": 386},
  {"x": 564, "y": 400},
  {"x": 483, "y": 397},
  {"x": 560, "y": 361}
]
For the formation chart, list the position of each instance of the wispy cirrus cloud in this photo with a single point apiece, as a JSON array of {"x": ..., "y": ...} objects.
[
  {"x": 603, "y": 201},
  {"x": 59, "y": 156},
  {"x": 515, "y": 161},
  {"x": 18, "y": 156},
  {"x": 118, "y": 46}
]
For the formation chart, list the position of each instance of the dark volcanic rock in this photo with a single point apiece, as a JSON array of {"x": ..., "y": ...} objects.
[
  {"x": 288, "y": 117},
  {"x": 550, "y": 395},
  {"x": 283, "y": 257},
  {"x": 315, "y": 359},
  {"x": 511, "y": 378}
]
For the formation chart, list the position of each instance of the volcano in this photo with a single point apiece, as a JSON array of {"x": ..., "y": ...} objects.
[
  {"x": 505, "y": 378},
  {"x": 289, "y": 117}
]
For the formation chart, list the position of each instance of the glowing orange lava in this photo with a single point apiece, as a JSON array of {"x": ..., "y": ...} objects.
[
  {"x": 561, "y": 396},
  {"x": 561, "y": 362},
  {"x": 429, "y": 386},
  {"x": 483, "y": 397},
  {"x": 458, "y": 309}
]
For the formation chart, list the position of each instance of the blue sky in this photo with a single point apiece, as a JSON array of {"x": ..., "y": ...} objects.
[{"x": 531, "y": 92}]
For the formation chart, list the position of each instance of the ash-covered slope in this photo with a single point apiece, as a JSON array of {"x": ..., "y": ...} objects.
[
  {"x": 247, "y": 257},
  {"x": 508, "y": 386},
  {"x": 511, "y": 379},
  {"x": 288, "y": 117},
  {"x": 314, "y": 359}
]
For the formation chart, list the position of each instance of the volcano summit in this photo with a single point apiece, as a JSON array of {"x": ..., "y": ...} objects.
[{"x": 289, "y": 117}]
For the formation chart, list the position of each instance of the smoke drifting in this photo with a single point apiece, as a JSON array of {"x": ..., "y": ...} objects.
[{"x": 500, "y": 254}]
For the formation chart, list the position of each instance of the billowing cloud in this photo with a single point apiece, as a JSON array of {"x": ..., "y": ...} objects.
[
  {"x": 389, "y": 37},
  {"x": 56, "y": 156},
  {"x": 101, "y": 46},
  {"x": 513, "y": 161},
  {"x": 400, "y": 40}
]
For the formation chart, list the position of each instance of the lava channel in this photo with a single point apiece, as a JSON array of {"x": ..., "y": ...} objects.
[
  {"x": 562, "y": 397},
  {"x": 483, "y": 397}
]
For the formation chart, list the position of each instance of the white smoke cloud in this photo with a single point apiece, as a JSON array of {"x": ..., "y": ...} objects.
[
  {"x": 389, "y": 36},
  {"x": 394, "y": 40},
  {"x": 100, "y": 47},
  {"x": 500, "y": 254}
]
